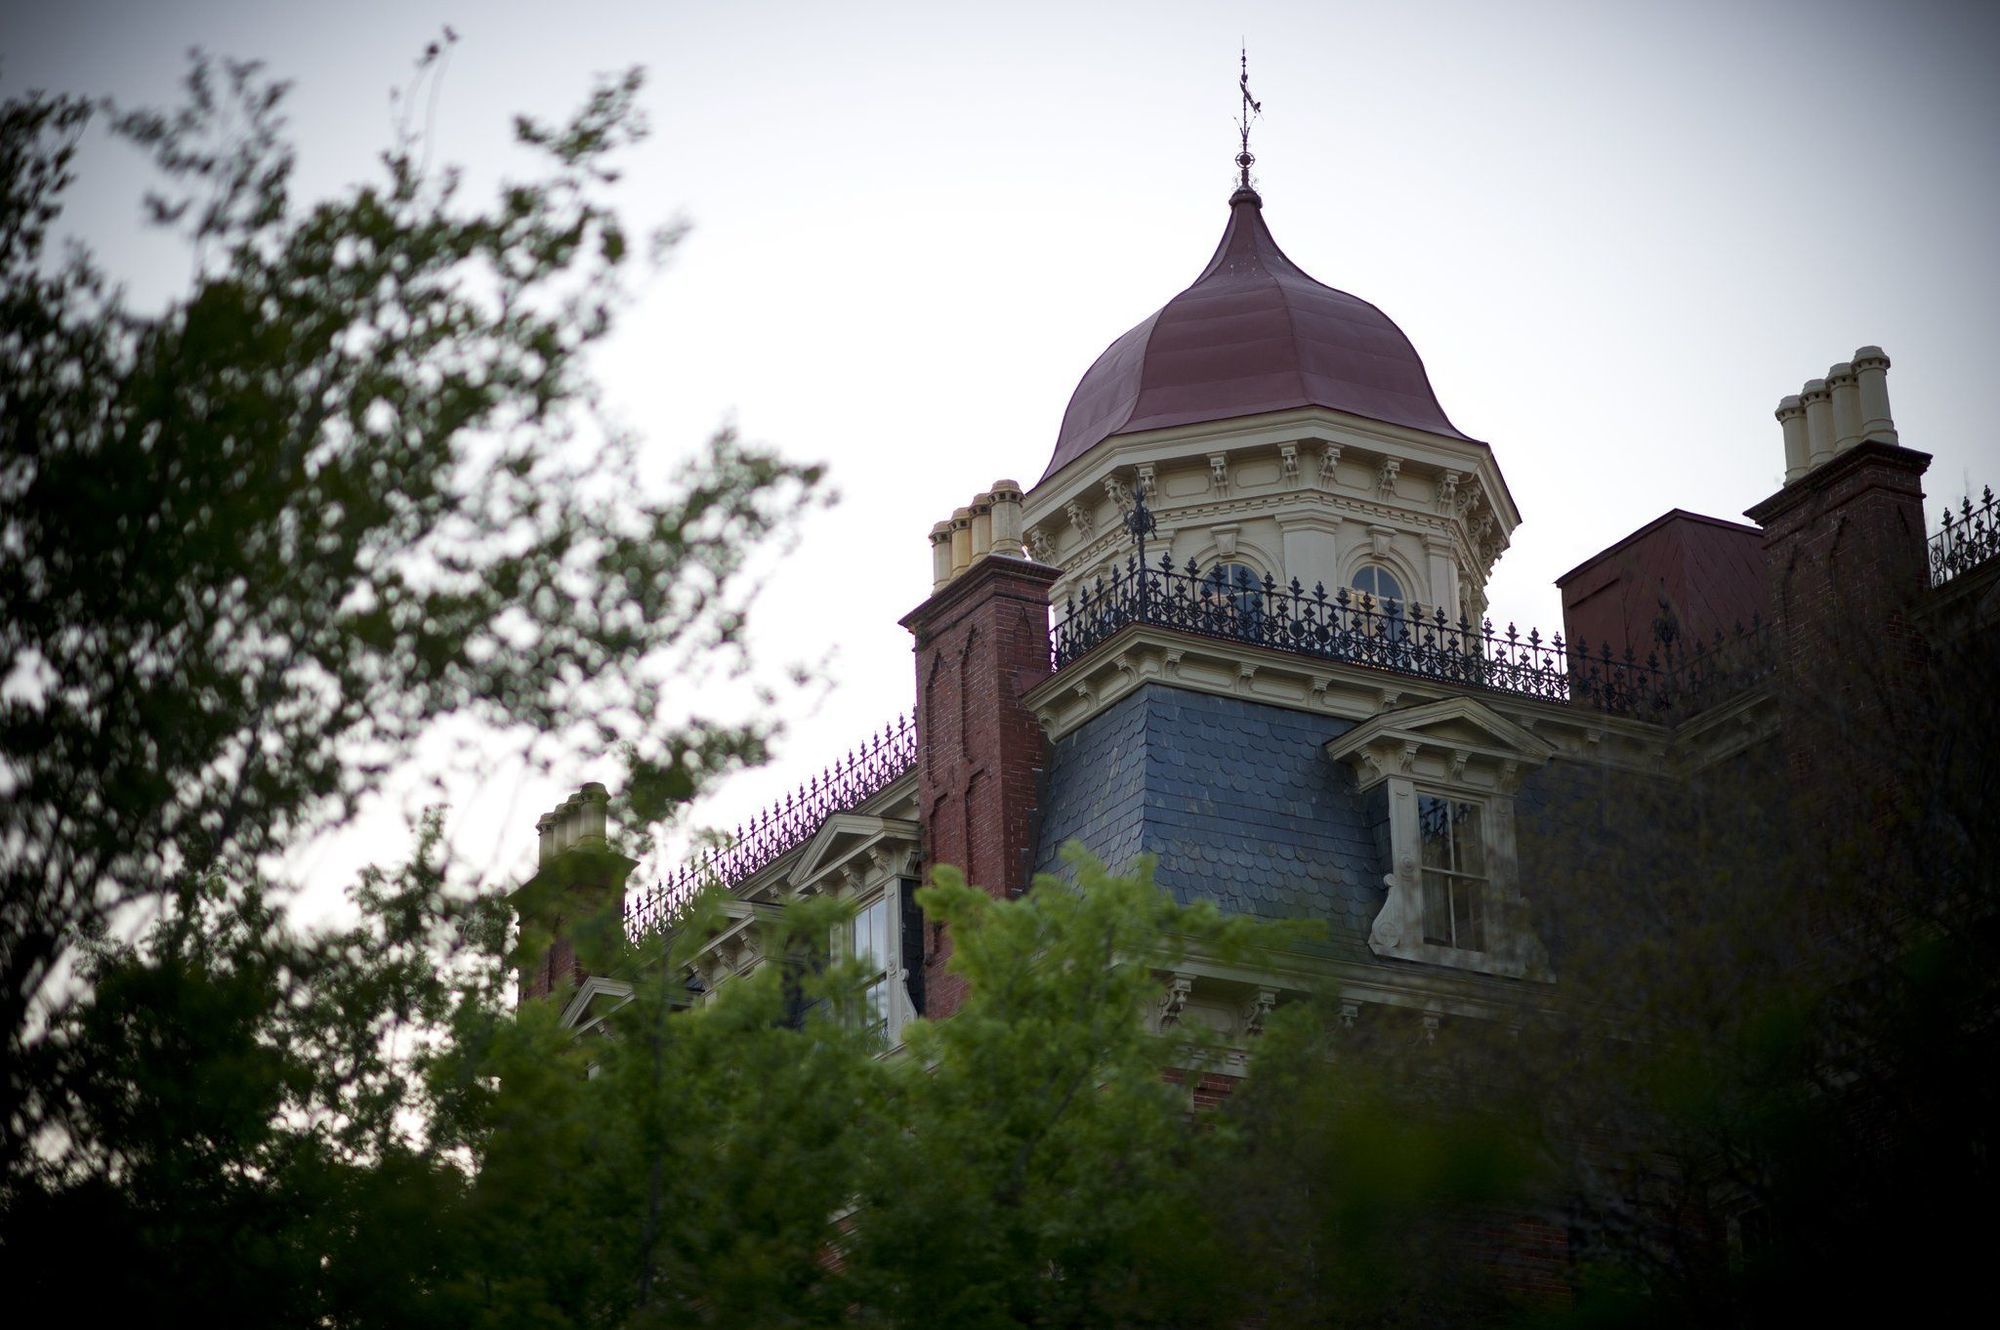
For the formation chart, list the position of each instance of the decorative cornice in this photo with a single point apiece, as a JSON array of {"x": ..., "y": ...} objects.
[
  {"x": 1463, "y": 994},
  {"x": 1082, "y": 517},
  {"x": 1817, "y": 482},
  {"x": 1389, "y": 742},
  {"x": 1385, "y": 480},
  {"x": 1113, "y": 543},
  {"x": 1333, "y": 431},
  {"x": 1143, "y": 653}
]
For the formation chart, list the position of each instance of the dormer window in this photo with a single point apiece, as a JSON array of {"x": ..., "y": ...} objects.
[
  {"x": 864, "y": 860},
  {"x": 1440, "y": 779}
]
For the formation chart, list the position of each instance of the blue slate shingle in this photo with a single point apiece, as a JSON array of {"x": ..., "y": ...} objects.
[{"x": 1234, "y": 797}]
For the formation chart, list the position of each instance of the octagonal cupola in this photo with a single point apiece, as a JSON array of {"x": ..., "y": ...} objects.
[{"x": 1277, "y": 427}]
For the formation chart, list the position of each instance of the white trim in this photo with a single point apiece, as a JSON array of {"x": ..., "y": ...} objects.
[{"x": 587, "y": 993}]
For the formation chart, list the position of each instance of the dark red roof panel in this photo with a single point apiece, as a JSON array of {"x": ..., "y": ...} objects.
[
  {"x": 1709, "y": 573},
  {"x": 1253, "y": 334}
]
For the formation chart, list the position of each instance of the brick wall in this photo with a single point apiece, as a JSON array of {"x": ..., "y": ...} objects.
[
  {"x": 557, "y": 972},
  {"x": 567, "y": 888},
  {"x": 1209, "y": 1089},
  {"x": 982, "y": 642},
  {"x": 1527, "y": 1255},
  {"x": 1844, "y": 550}
]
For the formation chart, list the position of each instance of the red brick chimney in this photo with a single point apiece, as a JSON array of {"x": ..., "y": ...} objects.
[
  {"x": 1844, "y": 547},
  {"x": 982, "y": 641},
  {"x": 579, "y": 878}
]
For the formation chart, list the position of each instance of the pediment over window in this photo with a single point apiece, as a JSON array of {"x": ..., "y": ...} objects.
[
  {"x": 1456, "y": 741},
  {"x": 595, "y": 998},
  {"x": 1442, "y": 777},
  {"x": 848, "y": 844},
  {"x": 735, "y": 945}
]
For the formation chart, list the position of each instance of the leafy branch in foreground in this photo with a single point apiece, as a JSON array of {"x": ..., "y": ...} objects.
[
  {"x": 748, "y": 1158},
  {"x": 354, "y": 481},
  {"x": 229, "y": 1116}
]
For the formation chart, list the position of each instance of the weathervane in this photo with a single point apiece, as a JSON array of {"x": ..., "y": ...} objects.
[{"x": 1251, "y": 106}]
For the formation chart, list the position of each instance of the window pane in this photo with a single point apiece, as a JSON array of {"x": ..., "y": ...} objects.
[
  {"x": 871, "y": 933},
  {"x": 1434, "y": 830},
  {"x": 1468, "y": 846},
  {"x": 1437, "y": 909},
  {"x": 1378, "y": 582},
  {"x": 1472, "y": 919},
  {"x": 1239, "y": 592}
]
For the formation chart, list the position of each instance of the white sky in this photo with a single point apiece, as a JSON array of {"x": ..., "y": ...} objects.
[{"x": 1616, "y": 232}]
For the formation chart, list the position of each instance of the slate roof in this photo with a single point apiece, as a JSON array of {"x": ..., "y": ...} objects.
[{"x": 1235, "y": 798}]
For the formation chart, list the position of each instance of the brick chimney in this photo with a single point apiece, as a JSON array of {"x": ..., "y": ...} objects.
[
  {"x": 579, "y": 877},
  {"x": 1844, "y": 549},
  {"x": 982, "y": 642}
]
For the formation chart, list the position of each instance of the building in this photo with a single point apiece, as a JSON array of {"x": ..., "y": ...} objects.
[{"x": 1238, "y": 624}]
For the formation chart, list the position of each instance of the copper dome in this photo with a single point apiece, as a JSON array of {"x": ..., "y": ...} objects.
[{"x": 1253, "y": 334}]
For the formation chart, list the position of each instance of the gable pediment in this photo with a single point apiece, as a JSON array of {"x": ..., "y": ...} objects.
[
  {"x": 841, "y": 840},
  {"x": 594, "y": 998},
  {"x": 1455, "y": 740}
]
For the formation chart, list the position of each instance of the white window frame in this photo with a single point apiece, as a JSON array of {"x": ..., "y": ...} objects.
[
  {"x": 1440, "y": 883},
  {"x": 1459, "y": 750},
  {"x": 893, "y": 981},
  {"x": 861, "y": 859},
  {"x": 879, "y": 1004}
]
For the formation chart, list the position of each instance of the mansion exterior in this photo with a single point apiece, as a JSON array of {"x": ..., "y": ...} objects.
[{"x": 1238, "y": 624}]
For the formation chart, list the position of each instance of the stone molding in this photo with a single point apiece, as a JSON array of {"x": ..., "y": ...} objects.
[{"x": 1143, "y": 653}]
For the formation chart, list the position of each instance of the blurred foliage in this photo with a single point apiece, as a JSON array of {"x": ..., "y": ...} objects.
[
  {"x": 353, "y": 483},
  {"x": 1767, "y": 1080}
]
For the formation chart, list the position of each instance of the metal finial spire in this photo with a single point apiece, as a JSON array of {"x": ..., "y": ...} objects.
[{"x": 1251, "y": 106}]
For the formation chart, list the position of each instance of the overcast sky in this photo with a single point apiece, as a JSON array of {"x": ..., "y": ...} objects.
[{"x": 1617, "y": 233}]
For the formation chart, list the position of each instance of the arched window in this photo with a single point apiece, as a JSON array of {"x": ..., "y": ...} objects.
[
  {"x": 1379, "y": 583},
  {"x": 1381, "y": 601},
  {"x": 1238, "y": 595}
]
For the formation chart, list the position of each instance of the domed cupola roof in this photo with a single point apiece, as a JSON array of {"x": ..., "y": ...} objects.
[{"x": 1253, "y": 334}]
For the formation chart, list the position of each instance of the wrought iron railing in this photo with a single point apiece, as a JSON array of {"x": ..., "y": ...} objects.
[
  {"x": 1408, "y": 638},
  {"x": 1965, "y": 539},
  {"x": 873, "y": 766}
]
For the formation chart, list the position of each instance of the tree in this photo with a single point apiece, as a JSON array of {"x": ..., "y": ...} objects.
[
  {"x": 229, "y": 1120},
  {"x": 354, "y": 482},
  {"x": 1033, "y": 1162},
  {"x": 1770, "y": 1058},
  {"x": 257, "y": 543}
]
